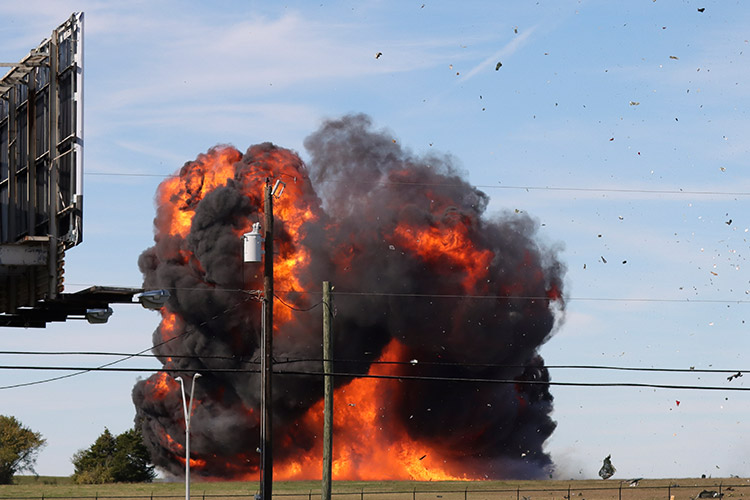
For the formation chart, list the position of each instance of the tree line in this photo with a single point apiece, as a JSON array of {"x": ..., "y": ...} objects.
[{"x": 110, "y": 459}]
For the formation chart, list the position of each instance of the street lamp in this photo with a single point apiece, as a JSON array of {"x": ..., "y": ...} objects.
[
  {"x": 154, "y": 299},
  {"x": 187, "y": 410}
]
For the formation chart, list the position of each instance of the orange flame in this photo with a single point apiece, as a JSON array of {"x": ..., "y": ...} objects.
[
  {"x": 367, "y": 444},
  {"x": 447, "y": 248},
  {"x": 168, "y": 325},
  {"x": 161, "y": 385},
  {"x": 179, "y": 195}
]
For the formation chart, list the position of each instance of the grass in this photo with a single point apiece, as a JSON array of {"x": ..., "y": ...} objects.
[{"x": 44, "y": 487}]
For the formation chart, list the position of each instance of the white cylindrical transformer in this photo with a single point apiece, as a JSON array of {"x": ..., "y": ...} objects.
[{"x": 252, "y": 244}]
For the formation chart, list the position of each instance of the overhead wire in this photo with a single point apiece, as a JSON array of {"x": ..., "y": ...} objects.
[
  {"x": 440, "y": 296},
  {"x": 81, "y": 371},
  {"x": 686, "y": 300},
  {"x": 285, "y": 361},
  {"x": 488, "y": 186},
  {"x": 432, "y": 378}
]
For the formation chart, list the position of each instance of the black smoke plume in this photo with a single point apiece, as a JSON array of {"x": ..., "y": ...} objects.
[{"x": 360, "y": 186}]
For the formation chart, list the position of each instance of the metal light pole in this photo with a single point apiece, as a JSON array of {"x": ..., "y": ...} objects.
[{"x": 187, "y": 411}]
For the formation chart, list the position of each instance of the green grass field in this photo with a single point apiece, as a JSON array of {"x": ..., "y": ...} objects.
[{"x": 28, "y": 488}]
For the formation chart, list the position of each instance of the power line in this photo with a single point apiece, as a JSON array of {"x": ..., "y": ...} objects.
[
  {"x": 497, "y": 365},
  {"x": 296, "y": 308},
  {"x": 487, "y": 186},
  {"x": 81, "y": 371},
  {"x": 461, "y": 296},
  {"x": 108, "y": 368},
  {"x": 128, "y": 355},
  {"x": 532, "y": 297},
  {"x": 377, "y": 362},
  {"x": 525, "y": 382},
  {"x": 620, "y": 190}
]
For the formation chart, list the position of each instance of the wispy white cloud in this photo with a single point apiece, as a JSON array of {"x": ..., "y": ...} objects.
[{"x": 197, "y": 58}]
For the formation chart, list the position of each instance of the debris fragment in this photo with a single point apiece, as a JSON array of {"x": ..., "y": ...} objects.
[
  {"x": 678, "y": 402},
  {"x": 701, "y": 9},
  {"x": 634, "y": 482},
  {"x": 674, "y": 57},
  {"x": 498, "y": 65},
  {"x": 634, "y": 103},
  {"x": 377, "y": 56},
  {"x": 608, "y": 470},
  {"x": 732, "y": 377},
  {"x": 710, "y": 494},
  {"x": 603, "y": 259},
  {"x": 422, "y": 457}
]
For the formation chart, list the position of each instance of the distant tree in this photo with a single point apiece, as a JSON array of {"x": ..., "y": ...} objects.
[
  {"x": 19, "y": 446},
  {"x": 114, "y": 459}
]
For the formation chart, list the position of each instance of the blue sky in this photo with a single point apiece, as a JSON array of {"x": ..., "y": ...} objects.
[{"x": 619, "y": 126}]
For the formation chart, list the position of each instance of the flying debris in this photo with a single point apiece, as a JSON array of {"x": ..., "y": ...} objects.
[
  {"x": 710, "y": 494},
  {"x": 377, "y": 56},
  {"x": 608, "y": 470},
  {"x": 701, "y": 9},
  {"x": 634, "y": 482},
  {"x": 634, "y": 103},
  {"x": 498, "y": 65},
  {"x": 732, "y": 377}
]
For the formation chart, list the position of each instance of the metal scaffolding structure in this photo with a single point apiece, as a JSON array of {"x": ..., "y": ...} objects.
[{"x": 41, "y": 167}]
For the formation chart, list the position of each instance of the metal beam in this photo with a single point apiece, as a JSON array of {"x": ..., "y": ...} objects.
[
  {"x": 23, "y": 255},
  {"x": 21, "y": 65}
]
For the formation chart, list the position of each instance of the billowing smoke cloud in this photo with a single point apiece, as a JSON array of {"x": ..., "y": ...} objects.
[{"x": 422, "y": 276}]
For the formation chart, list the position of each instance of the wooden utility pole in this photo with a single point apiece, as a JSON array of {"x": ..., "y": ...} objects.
[
  {"x": 266, "y": 361},
  {"x": 327, "y": 393}
]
